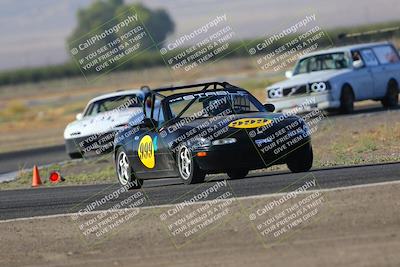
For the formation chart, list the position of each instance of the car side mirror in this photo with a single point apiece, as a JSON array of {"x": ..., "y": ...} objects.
[
  {"x": 148, "y": 123},
  {"x": 358, "y": 64},
  {"x": 79, "y": 116},
  {"x": 289, "y": 74},
  {"x": 269, "y": 107}
]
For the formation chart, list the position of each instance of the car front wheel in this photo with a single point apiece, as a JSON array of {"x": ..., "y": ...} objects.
[
  {"x": 301, "y": 159},
  {"x": 126, "y": 176},
  {"x": 347, "y": 100},
  {"x": 189, "y": 171}
]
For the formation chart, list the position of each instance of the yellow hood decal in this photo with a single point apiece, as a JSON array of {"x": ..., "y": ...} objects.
[{"x": 249, "y": 123}]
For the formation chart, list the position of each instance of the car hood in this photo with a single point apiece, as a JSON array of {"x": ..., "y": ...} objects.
[
  {"x": 317, "y": 76},
  {"x": 100, "y": 123},
  {"x": 278, "y": 120}
]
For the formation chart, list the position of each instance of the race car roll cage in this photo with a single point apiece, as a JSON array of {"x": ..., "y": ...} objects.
[
  {"x": 153, "y": 93},
  {"x": 206, "y": 86}
]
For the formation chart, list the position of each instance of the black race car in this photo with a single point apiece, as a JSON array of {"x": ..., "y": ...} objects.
[{"x": 193, "y": 130}]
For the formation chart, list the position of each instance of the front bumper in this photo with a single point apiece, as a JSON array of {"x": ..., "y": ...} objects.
[
  {"x": 99, "y": 144},
  {"x": 234, "y": 156},
  {"x": 305, "y": 103}
]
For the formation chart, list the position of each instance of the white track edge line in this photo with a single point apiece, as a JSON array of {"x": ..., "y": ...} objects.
[{"x": 202, "y": 202}]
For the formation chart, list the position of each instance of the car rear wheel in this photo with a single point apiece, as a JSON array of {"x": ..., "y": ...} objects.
[
  {"x": 301, "y": 160},
  {"x": 238, "y": 174},
  {"x": 126, "y": 176},
  {"x": 391, "y": 98},
  {"x": 347, "y": 100},
  {"x": 189, "y": 171}
]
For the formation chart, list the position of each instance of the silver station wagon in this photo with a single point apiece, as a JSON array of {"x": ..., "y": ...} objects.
[{"x": 337, "y": 77}]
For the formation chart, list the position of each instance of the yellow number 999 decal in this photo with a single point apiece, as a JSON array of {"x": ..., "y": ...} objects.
[
  {"x": 249, "y": 123},
  {"x": 146, "y": 152}
]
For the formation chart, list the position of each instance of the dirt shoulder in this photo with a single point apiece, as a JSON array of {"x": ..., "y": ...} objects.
[{"x": 354, "y": 227}]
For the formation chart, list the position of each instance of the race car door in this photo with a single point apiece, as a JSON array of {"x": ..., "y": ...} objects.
[
  {"x": 362, "y": 81},
  {"x": 154, "y": 158}
]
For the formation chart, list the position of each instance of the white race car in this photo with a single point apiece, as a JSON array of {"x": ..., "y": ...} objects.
[{"x": 94, "y": 128}]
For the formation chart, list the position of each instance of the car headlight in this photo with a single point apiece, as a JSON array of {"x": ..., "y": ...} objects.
[
  {"x": 275, "y": 93},
  {"x": 224, "y": 141},
  {"x": 199, "y": 143},
  {"x": 319, "y": 87}
]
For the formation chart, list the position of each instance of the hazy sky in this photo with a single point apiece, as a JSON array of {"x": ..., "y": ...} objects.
[{"x": 33, "y": 32}]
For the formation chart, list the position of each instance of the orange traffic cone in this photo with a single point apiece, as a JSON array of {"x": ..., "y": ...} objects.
[
  {"x": 55, "y": 177},
  {"x": 36, "y": 177}
]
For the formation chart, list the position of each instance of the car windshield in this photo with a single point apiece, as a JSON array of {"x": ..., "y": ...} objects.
[
  {"x": 112, "y": 103},
  {"x": 214, "y": 103},
  {"x": 332, "y": 61}
]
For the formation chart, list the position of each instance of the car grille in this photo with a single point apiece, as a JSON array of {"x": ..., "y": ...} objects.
[{"x": 295, "y": 90}]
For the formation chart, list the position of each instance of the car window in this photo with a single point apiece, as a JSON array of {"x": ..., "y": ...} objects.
[
  {"x": 158, "y": 113},
  {"x": 195, "y": 107},
  {"x": 213, "y": 104},
  {"x": 160, "y": 117},
  {"x": 322, "y": 62},
  {"x": 154, "y": 111},
  {"x": 386, "y": 54},
  {"x": 242, "y": 103},
  {"x": 369, "y": 57},
  {"x": 118, "y": 102},
  {"x": 302, "y": 67},
  {"x": 313, "y": 64},
  {"x": 89, "y": 110}
]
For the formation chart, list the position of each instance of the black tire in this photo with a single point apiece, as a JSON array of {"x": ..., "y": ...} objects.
[
  {"x": 75, "y": 155},
  {"x": 126, "y": 179},
  {"x": 347, "y": 100},
  {"x": 238, "y": 174},
  {"x": 189, "y": 171},
  {"x": 391, "y": 98},
  {"x": 301, "y": 159}
]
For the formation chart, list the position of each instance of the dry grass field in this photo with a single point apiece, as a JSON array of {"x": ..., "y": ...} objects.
[{"x": 35, "y": 115}]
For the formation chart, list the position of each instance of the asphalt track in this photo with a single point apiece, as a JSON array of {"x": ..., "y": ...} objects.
[
  {"x": 17, "y": 160},
  {"x": 67, "y": 199}
]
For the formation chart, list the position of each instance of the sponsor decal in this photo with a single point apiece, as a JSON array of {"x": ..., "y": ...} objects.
[
  {"x": 249, "y": 123},
  {"x": 146, "y": 151}
]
